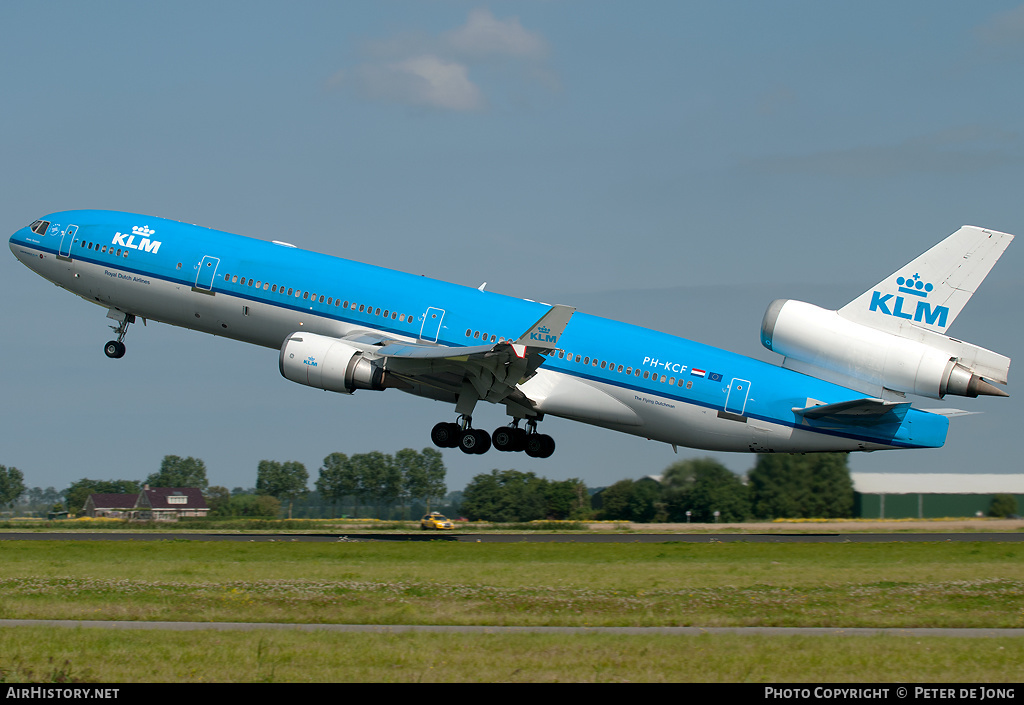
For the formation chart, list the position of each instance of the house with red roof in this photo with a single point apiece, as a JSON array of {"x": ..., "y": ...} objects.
[
  {"x": 114, "y": 506},
  {"x": 152, "y": 504}
]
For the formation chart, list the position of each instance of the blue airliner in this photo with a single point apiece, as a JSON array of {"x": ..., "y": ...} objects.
[{"x": 344, "y": 326}]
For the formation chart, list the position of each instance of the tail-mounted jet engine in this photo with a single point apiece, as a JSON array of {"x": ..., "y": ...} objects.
[
  {"x": 869, "y": 359},
  {"x": 330, "y": 364}
]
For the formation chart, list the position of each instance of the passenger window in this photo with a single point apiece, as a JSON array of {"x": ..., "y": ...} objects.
[{"x": 321, "y": 298}]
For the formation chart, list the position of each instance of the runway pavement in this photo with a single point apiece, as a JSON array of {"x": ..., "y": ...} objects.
[
  {"x": 530, "y": 537},
  {"x": 403, "y": 628}
]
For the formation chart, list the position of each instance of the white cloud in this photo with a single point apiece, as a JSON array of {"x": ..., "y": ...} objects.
[
  {"x": 434, "y": 72},
  {"x": 483, "y": 36}
]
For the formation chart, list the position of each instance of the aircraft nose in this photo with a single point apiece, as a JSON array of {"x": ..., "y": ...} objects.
[{"x": 17, "y": 242}]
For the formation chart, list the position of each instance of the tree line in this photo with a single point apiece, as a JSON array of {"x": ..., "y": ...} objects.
[
  {"x": 698, "y": 490},
  {"x": 780, "y": 485},
  {"x": 401, "y": 486},
  {"x": 384, "y": 485},
  {"x": 360, "y": 481}
]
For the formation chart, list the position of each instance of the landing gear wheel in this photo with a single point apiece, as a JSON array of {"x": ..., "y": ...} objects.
[
  {"x": 473, "y": 441},
  {"x": 445, "y": 435},
  {"x": 504, "y": 439},
  {"x": 539, "y": 445},
  {"x": 114, "y": 349}
]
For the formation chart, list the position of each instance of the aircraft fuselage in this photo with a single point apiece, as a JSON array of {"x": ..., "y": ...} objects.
[{"x": 602, "y": 372}]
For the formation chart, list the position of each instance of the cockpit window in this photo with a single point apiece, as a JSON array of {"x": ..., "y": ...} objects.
[{"x": 39, "y": 227}]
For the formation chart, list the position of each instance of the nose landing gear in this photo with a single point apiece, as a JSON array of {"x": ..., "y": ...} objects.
[{"x": 115, "y": 348}]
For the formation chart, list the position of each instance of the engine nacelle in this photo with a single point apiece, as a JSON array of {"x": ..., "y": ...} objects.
[
  {"x": 826, "y": 340},
  {"x": 328, "y": 363}
]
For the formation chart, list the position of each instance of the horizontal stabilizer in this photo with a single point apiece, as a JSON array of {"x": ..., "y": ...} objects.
[{"x": 858, "y": 412}]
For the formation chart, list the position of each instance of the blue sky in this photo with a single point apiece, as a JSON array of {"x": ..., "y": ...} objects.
[{"x": 674, "y": 164}]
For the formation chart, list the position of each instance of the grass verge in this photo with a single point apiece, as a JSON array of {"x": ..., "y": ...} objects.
[
  {"x": 39, "y": 654},
  {"x": 670, "y": 584}
]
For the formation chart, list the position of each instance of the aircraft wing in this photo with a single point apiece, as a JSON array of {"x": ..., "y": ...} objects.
[{"x": 489, "y": 372}]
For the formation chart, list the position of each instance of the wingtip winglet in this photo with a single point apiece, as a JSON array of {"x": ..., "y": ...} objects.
[{"x": 544, "y": 334}]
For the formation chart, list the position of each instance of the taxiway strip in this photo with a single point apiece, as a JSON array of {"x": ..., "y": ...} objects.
[{"x": 476, "y": 629}]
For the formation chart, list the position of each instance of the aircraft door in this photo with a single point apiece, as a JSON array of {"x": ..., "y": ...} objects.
[
  {"x": 207, "y": 271},
  {"x": 736, "y": 401},
  {"x": 431, "y": 328},
  {"x": 67, "y": 240}
]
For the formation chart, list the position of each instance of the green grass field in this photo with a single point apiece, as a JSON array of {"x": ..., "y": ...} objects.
[{"x": 937, "y": 584}]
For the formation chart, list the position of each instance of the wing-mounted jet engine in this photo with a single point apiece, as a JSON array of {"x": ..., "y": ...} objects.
[
  {"x": 891, "y": 341},
  {"x": 330, "y": 364}
]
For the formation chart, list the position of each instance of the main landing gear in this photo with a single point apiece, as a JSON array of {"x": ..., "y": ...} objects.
[
  {"x": 474, "y": 441},
  {"x": 115, "y": 348}
]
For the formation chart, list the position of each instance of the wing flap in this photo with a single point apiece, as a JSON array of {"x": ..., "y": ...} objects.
[{"x": 493, "y": 370}]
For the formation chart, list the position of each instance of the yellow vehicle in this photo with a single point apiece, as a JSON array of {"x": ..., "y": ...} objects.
[{"x": 436, "y": 521}]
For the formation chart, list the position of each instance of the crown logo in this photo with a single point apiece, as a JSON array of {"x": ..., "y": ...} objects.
[
  {"x": 544, "y": 329},
  {"x": 144, "y": 230},
  {"x": 914, "y": 285}
]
